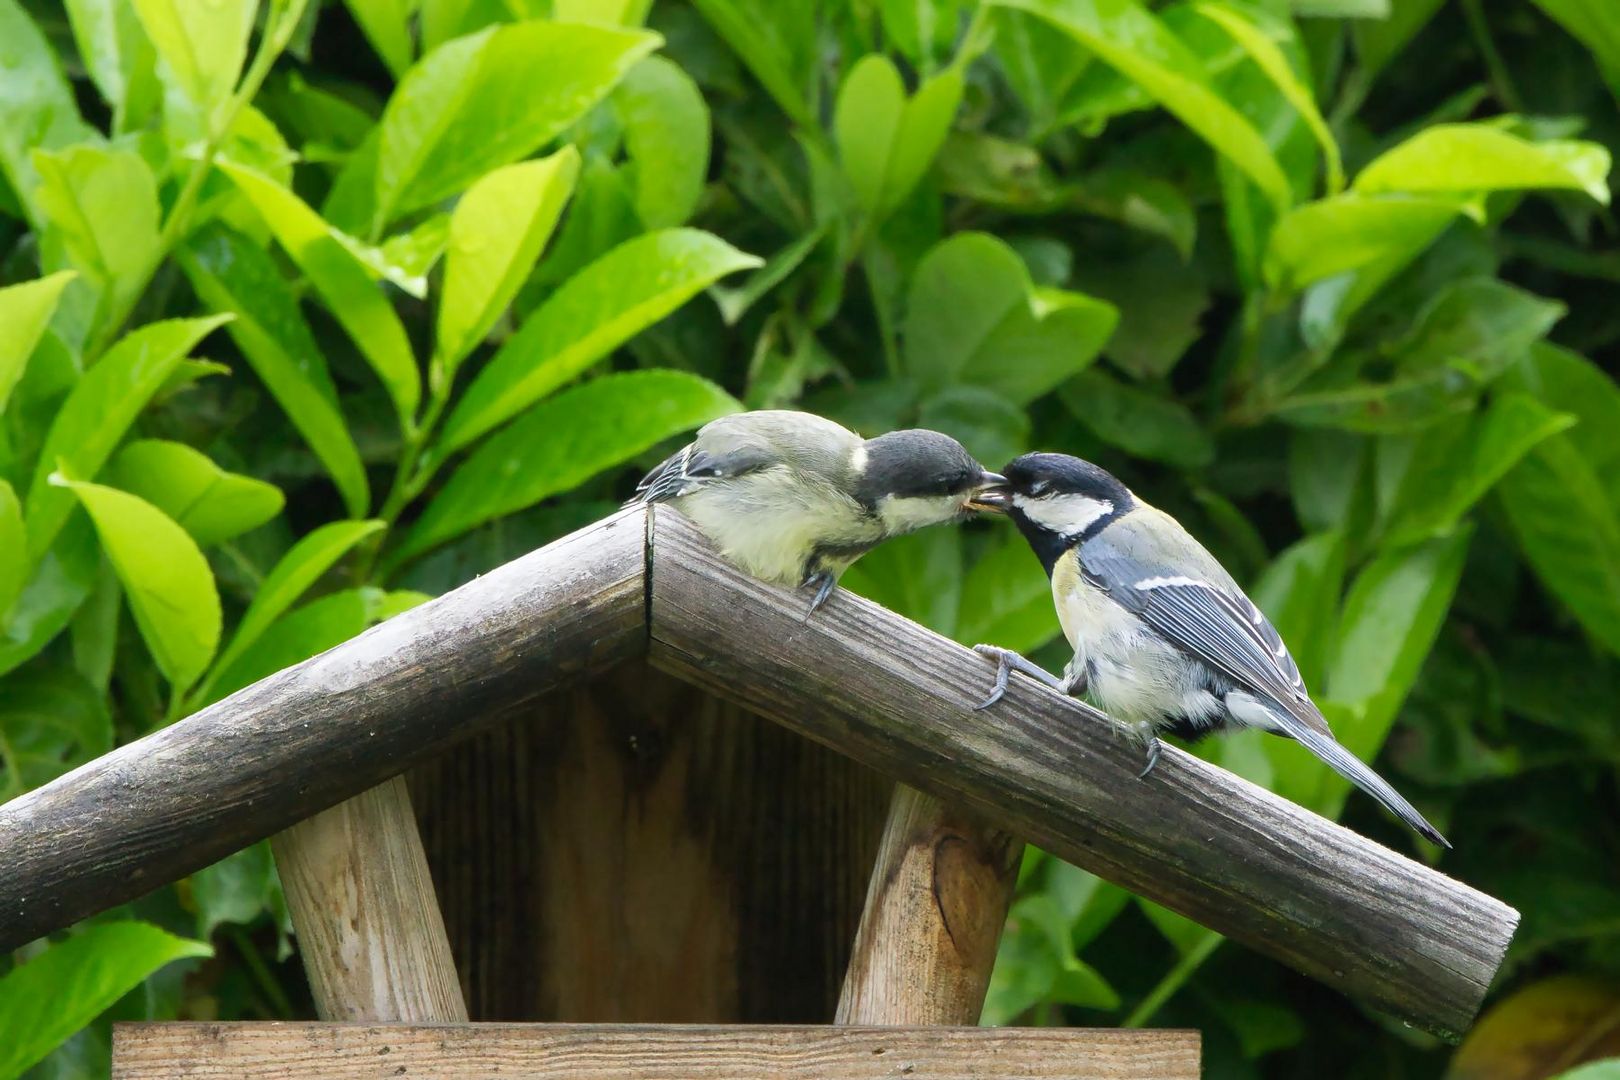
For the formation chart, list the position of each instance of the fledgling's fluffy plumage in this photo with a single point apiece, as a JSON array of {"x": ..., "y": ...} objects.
[
  {"x": 1164, "y": 639},
  {"x": 794, "y": 499}
]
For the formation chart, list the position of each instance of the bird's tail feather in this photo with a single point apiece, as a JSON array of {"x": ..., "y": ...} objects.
[{"x": 1353, "y": 769}]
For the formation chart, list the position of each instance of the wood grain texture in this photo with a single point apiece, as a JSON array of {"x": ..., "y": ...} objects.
[
  {"x": 636, "y": 850},
  {"x": 602, "y": 1052},
  {"x": 934, "y": 910},
  {"x": 308, "y": 737},
  {"x": 1393, "y": 933},
  {"x": 362, "y": 905}
]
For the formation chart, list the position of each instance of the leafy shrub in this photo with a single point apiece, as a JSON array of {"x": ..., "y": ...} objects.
[{"x": 316, "y": 310}]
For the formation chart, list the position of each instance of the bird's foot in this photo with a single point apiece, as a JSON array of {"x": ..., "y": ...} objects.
[
  {"x": 1007, "y": 662},
  {"x": 825, "y": 583},
  {"x": 1153, "y": 748}
]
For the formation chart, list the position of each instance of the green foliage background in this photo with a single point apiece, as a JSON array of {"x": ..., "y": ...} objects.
[{"x": 312, "y": 310}]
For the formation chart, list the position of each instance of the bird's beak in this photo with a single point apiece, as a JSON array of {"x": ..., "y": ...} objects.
[{"x": 992, "y": 496}]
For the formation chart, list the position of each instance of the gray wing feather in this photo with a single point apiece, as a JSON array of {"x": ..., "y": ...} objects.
[
  {"x": 1211, "y": 621},
  {"x": 685, "y": 471},
  {"x": 1201, "y": 611}
]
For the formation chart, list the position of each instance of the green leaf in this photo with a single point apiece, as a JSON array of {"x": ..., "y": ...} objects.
[
  {"x": 1347, "y": 232},
  {"x": 1146, "y": 203},
  {"x": 991, "y": 427},
  {"x": 1569, "y": 530},
  {"x": 205, "y": 500},
  {"x": 666, "y": 138},
  {"x": 1608, "y": 1069},
  {"x": 343, "y": 281},
  {"x": 51, "y": 721},
  {"x": 563, "y": 442},
  {"x": 973, "y": 316},
  {"x": 52, "y": 593},
  {"x": 25, "y": 310},
  {"x": 767, "y": 41},
  {"x": 1139, "y": 421},
  {"x": 387, "y": 25},
  {"x": 734, "y": 303},
  {"x": 1380, "y": 40},
  {"x": 237, "y": 889},
  {"x": 99, "y": 411},
  {"x": 169, "y": 585},
  {"x": 1342, "y": 9},
  {"x": 291, "y": 577},
  {"x": 37, "y": 108},
  {"x": 1006, "y": 598},
  {"x": 1128, "y": 38},
  {"x": 13, "y": 541},
  {"x": 593, "y": 313},
  {"x": 1389, "y": 622},
  {"x": 1592, "y": 23},
  {"x": 118, "y": 55},
  {"x": 231, "y": 274},
  {"x": 1161, "y": 300},
  {"x": 1270, "y": 59},
  {"x": 1476, "y": 157},
  {"x": 102, "y": 202},
  {"x": 887, "y": 141},
  {"x": 1570, "y": 383},
  {"x": 1470, "y": 332},
  {"x": 203, "y": 44},
  {"x": 475, "y": 103},
  {"x": 1452, "y": 466},
  {"x": 609, "y": 12},
  {"x": 295, "y": 637},
  {"x": 94, "y": 629},
  {"x": 71, "y": 982},
  {"x": 497, "y": 231}
]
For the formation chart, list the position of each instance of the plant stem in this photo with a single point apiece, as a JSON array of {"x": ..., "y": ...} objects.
[
  {"x": 1173, "y": 980},
  {"x": 279, "y": 31},
  {"x": 1501, "y": 82},
  {"x": 261, "y": 974}
]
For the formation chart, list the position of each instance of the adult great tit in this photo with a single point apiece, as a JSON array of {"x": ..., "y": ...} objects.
[
  {"x": 794, "y": 499},
  {"x": 1164, "y": 639}
]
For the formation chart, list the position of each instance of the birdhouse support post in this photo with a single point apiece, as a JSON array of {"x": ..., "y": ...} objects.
[
  {"x": 368, "y": 925},
  {"x": 935, "y": 906}
]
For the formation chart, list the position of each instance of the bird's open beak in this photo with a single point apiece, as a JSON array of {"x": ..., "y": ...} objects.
[{"x": 992, "y": 496}]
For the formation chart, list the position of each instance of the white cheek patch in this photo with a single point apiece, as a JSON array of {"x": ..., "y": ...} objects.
[
  {"x": 857, "y": 460},
  {"x": 1066, "y": 515}
]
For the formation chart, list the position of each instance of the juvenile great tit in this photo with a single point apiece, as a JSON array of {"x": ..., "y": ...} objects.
[
  {"x": 794, "y": 499},
  {"x": 1164, "y": 639}
]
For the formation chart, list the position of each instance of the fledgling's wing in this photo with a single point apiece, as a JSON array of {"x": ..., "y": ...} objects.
[
  {"x": 666, "y": 481},
  {"x": 718, "y": 453}
]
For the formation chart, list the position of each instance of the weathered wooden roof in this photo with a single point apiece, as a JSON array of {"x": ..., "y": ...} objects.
[{"x": 1396, "y": 934}]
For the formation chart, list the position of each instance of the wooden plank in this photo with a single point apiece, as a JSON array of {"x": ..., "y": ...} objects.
[
  {"x": 934, "y": 911},
  {"x": 1397, "y": 935},
  {"x": 308, "y": 737},
  {"x": 294, "y": 1051},
  {"x": 369, "y": 929},
  {"x": 636, "y": 850}
]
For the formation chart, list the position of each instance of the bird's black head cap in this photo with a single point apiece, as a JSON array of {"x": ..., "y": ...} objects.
[
  {"x": 1058, "y": 500},
  {"x": 916, "y": 463}
]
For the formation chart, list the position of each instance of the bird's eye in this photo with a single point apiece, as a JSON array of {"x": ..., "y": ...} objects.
[{"x": 1039, "y": 488}]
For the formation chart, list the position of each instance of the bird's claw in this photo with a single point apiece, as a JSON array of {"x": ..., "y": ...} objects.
[
  {"x": 825, "y": 583},
  {"x": 1003, "y": 673},
  {"x": 1152, "y": 758}
]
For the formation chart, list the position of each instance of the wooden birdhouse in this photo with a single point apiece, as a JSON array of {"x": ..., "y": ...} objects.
[{"x": 637, "y": 815}]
